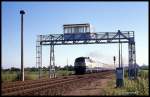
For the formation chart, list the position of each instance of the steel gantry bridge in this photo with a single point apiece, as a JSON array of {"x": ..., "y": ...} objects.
[{"x": 95, "y": 38}]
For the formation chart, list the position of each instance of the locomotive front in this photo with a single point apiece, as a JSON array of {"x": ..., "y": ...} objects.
[{"x": 80, "y": 66}]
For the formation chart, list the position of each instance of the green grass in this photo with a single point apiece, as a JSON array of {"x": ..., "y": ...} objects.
[
  {"x": 140, "y": 86},
  {"x": 9, "y": 76},
  {"x": 143, "y": 74},
  {"x": 64, "y": 73},
  {"x": 31, "y": 75}
]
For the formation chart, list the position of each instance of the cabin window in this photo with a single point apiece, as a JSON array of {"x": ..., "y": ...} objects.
[{"x": 77, "y": 28}]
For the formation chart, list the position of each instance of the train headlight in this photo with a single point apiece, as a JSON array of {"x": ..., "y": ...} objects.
[{"x": 92, "y": 35}]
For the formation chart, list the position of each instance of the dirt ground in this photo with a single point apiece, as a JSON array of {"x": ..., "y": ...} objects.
[{"x": 93, "y": 89}]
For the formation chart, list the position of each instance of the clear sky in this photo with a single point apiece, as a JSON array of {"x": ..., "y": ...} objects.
[{"x": 48, "y": 18}]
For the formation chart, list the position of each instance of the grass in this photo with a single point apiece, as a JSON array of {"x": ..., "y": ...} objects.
[
  {"x": 31, "y": 75},
  {"x": 10, "y": 76},
  {"x": 64, "y": 73},
  {"x": 140, "y": 86}
]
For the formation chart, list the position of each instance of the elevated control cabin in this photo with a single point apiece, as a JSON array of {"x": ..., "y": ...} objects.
[{"x": 77, "y": 31}]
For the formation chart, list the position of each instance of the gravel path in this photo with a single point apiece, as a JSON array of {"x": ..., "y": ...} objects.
[{"x": 92, "y": 89}]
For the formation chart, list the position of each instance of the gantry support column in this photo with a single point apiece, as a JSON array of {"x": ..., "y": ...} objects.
[
  {"x": 39, "y": 54},
  {"x": 132, "y": 71},
  {"x": 52, "y": 62}
]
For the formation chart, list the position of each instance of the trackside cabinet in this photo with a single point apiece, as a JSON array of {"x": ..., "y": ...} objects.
[{"x": 119, "y": 77}]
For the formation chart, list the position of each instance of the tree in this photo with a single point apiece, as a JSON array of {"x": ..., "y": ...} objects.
[
  {"x": 145, "y": 67},
  {"x": 68, "y": 67},
  {"x": 14, "y": 69},
  {"x": 33, "y": 69}
]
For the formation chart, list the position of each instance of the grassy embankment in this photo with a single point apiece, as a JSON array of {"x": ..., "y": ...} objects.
[{"x": 140, "y": 86}]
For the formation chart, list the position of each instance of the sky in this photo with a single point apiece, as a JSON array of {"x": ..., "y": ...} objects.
[{"x": 43, "y": 18}]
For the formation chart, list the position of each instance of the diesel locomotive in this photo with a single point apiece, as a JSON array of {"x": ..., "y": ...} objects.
[{"x": 83, "y": 65}]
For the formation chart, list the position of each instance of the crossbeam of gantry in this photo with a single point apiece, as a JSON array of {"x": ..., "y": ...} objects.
[{"x": 101, "y": 37}]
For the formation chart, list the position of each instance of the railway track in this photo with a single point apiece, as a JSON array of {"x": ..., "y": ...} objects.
[{"x": 56, "y": 86}]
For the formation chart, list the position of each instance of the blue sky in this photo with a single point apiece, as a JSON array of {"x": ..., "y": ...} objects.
[{"x": 48, "y": 18}]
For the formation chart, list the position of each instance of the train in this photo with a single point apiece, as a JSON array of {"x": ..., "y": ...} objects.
[{"x": 84, "y": 65}]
